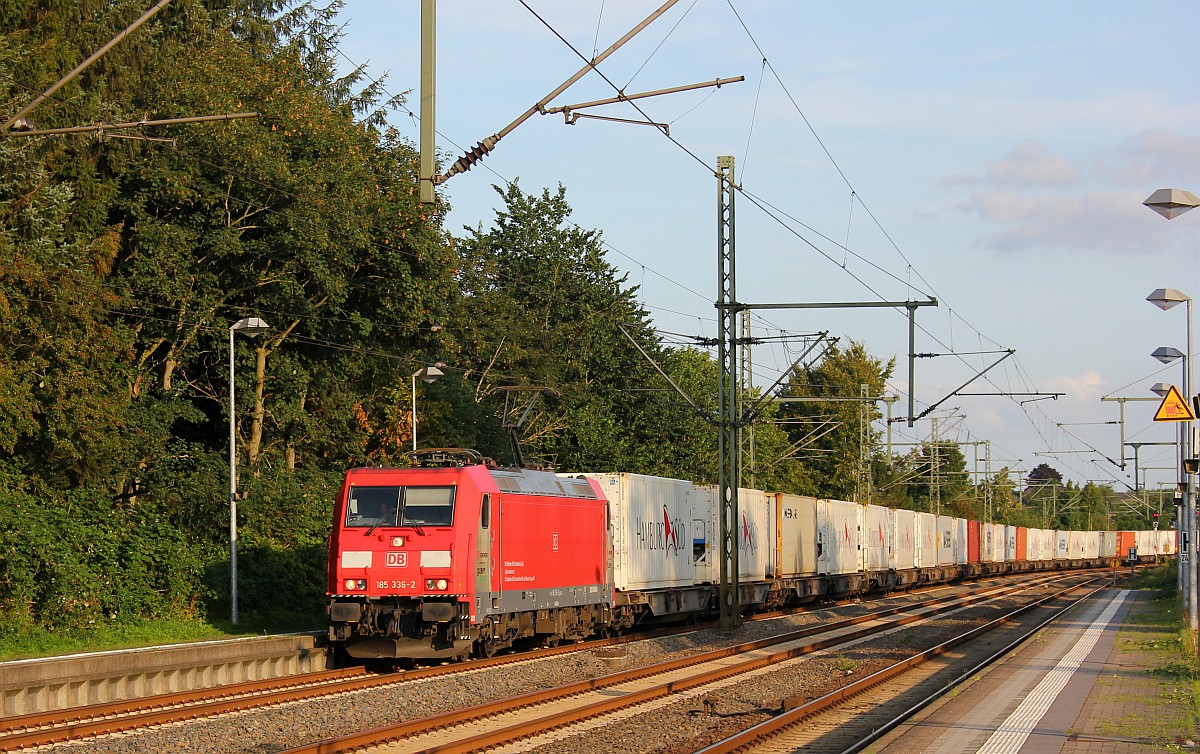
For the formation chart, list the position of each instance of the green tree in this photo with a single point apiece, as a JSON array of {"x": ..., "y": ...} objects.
[
  {"x": 937, "y": 480},
  {"x": 65, "y": 414},
  {"x": 1044, "y": 474},
  {"x": 542, "y": 307},
  {"x": 837, "y": 439},
  {"x": 124, "y": 261}
]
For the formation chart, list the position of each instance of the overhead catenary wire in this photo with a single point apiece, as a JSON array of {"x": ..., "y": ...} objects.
[
  {"x": 866, "y": 208},
  {"x": 832, "y": 159}
]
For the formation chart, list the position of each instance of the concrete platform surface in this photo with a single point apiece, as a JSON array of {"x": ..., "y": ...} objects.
[
  {"x": 1097, "y": 682},
  {"x": 57, "y": 683}
]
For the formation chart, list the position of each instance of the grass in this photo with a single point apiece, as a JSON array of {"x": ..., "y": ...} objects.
[
  {"x": 1158, "y": 629},
  {"x": 845, "y": 665},
  {"x": 42, "y": 643}
]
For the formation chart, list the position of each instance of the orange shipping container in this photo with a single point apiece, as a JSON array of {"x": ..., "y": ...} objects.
[{"x": 1125, "y": 540}]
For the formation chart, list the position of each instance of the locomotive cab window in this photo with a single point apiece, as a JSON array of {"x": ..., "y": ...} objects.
[
  {"x": 428, "y": 506},
  {"x": 372, "y": 507}
]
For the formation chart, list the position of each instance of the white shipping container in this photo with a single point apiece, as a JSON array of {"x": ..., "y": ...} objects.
[
  {"x": 947, "y": 540},
  {"x": 878, "y": 536},
  {"x": 1165, "y": 541},
  {"x": 991, "y": 547},
  {"x": 927, "y": 540},
  {"x": 904, "y": 539},
  {"x": 1049, "y": 544},
  {"x": 797, "y": 522},
  {"x": 961, "y": 551},
  {"x": 755, "y": 540},
  {"x": 1091, "y": 545},
  {"x": 1046, "y": 544},
  {"x": 1077, "y": 545},
  {"x": 1147, "y": 543},
  {"x": 1033, "y": 544},
  {"x": 654, "y": 533},
  {"x": 1010, "y": 544},
  {"x": 755, "y": 536},
  {"x": 1108, "y": 544},
  {"x": 839, "y": 540},
  {"x": 1061, "y": 548}
]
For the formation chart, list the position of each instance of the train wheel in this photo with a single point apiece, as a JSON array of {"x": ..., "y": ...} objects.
[{"x": 485, "y": 649}]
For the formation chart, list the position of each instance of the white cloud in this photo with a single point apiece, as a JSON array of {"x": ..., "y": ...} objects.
[
  {"x": 1034, "y": 198},
  {"x": 1029, "y": 164},
  {"x": 1085, "y": 388},
  {"x": 1104, "y": 221},
  {"x": 1150, "y": 158},
  {"x": 1146, "y": 158}
]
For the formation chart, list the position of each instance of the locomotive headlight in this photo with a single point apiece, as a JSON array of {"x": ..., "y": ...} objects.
[
  {"x": 397, "y": 541},
  {"x": 439, "y": 584},
  {"x": 355, "y": 584},
  {"x": 349, "y": 584}
]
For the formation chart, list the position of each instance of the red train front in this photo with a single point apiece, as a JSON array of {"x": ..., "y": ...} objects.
[{"x": 458, "y": 556}]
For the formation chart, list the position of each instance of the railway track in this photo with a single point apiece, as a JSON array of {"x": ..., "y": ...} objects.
[
  {"x": 595, "y": 702},
  {"x": 42, "y": 729},
  {"x": 849, "y": 719},
  {"x": 75, "y": 724}
]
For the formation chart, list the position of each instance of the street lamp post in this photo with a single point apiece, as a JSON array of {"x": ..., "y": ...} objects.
[
  {"x": 250, "y": 326},
  {"x": 1166, "y": 298},
  {"x": 1171, "y": 203},
  {"x": 1166, "y": 355},
  {"x": 427, "y": 375}
]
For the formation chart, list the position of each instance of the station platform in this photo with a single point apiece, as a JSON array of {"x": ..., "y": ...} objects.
[{"x": 1082, "y": 686}]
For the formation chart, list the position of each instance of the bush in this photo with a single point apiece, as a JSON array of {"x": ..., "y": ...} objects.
[
  {"x": 81, "y": 559},
  {"x": 283, "y": 534},
  {"x": 72, "y": 560}
]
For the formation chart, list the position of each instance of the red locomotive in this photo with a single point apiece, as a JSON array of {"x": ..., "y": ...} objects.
[{"x": 458, "y": 555}]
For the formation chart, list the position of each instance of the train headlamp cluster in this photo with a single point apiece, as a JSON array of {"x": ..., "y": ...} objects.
[
  {"x": 355, "y": 585},
  {"x": 397, "y": 541},
  {"x": 437, "y": 584}
]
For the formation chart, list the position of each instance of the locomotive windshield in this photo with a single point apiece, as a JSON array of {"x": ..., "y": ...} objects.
[{"x": 400, "y": 506}]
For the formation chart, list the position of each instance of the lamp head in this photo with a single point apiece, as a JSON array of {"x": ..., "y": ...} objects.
[
  {"x": 250, "y": 326},
  {"x": 1171, "y": 203},
  {"x": 1165, "y": 298},
  {"x": 1167, "y": 354},
  {"x": 1161, "y": 389},
  {"x": 429, "y": 374}
]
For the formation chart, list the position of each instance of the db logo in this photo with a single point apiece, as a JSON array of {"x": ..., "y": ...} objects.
[{"x": 396, "y": 560}]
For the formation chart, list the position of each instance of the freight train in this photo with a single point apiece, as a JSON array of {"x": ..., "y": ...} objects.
[{"x": 457, "y": 556}]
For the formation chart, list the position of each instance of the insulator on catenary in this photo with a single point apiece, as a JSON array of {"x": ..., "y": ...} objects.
[{"x": 474, "y": 155}]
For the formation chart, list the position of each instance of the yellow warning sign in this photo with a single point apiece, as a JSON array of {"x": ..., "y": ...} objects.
[{"x": 1174, "y": 408}]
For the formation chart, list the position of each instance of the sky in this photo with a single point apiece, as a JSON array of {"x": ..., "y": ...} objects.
[{"x": 990, "y": 154}]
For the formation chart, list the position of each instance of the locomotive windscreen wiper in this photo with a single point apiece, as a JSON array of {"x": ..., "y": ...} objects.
[
  {"x": 400, "y": 516},
  {"x": 384, "y": 510}
]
